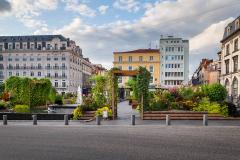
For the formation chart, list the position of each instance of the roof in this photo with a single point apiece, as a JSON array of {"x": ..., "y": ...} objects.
[
  {"x": 31, "y": 38},
  {"x": 141, "y": 51},
  {"x": 233, "y": 29}
]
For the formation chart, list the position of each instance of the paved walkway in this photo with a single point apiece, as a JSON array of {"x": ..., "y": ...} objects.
[{"x": 125, "y": 111}]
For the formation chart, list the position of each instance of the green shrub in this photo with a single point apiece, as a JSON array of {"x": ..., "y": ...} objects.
[
  {"x": 174, "y": 105},
  {"x": 59, "y": 100},
  {"x": 186, "y": 93},
  {"x": 211, "y": 107},
  {"x": 2, "y": 105},
  {"x": 215, "y": 92},
  {"x": 22, "y": 109},
  {"x": 77, "y": 113},
  {"x": 187, "y": 104},
  {"x": 157, "y": 106}
]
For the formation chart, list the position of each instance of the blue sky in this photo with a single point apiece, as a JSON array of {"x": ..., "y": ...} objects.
[{"x": 102, "y": 26}]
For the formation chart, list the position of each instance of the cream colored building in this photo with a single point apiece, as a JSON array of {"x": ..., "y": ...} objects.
[
  {"x": 131, "y": 60},
  {"x": 230, "y": 60},
  {"x": 44, "y": 56}
]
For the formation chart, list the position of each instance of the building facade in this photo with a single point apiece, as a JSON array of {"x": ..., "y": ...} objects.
[
  {"x": 42, "y": 56},
  {"x": 174, "y": 61},
  {"x": 131, "y": 60},
  {"x": 230, "y": 59},
  {"x": 208, "y": 72}
]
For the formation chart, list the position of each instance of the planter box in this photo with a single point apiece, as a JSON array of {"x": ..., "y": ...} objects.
[{"x": 180, "y": 115}]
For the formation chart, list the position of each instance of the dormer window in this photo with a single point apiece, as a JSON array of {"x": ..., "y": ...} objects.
[
  {"x": 237, "y": 24},
  {"x": 228, "y": 30}
]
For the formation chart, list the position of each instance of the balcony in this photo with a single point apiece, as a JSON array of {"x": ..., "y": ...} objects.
[
  {"x": 56, "y": 67},
  {"x": 56, "y": 77}
]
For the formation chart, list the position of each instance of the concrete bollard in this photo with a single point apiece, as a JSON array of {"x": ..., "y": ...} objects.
[
  {"x": 98, "y": 120},
  {"x": 34, "y": 117},
  {"x": 133, "y": 119},
  {"x": 4, "y": 119},
  {"x": 66, "y": 119},
  {"x": 168, "y": 120},
  {"x": 205, "y": 119}
]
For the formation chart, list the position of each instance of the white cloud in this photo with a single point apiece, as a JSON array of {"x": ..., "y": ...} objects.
[
  {"x": 27, "y": 11},
  {"x": 103, "y": 9},
  {"x": 191, "y": 19},
  {"x": 211, "y": 36},
  {"x": 129, "y": 5},
  {"x": 80, "y": 8}
]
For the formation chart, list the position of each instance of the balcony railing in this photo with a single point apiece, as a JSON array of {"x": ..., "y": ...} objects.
[{"x": 56, "y": 77}]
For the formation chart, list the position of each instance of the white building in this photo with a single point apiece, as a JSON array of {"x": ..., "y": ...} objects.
[
  {"x": 174, "y": 64},
  {"x": 42, "y": 56},
  {"x": 230, "y": 60}
]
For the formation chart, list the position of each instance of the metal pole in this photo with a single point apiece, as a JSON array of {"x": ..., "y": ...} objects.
[
  {"x": 66, "y": 119},
  {"x": 168, "y": 120},
  {"x": 34, "y": 119},
  {"x": 4, "y": 119},
  {"x": 98, "y": 120},
  {"x": 133, "y": 119},
  {"x": 205, "y": 119}
]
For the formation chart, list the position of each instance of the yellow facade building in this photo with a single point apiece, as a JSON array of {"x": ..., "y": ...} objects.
[{"x": 131, "y": 60}]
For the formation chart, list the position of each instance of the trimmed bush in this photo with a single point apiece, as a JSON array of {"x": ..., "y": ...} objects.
[
  {"x": 22, "y": 109},
  {"x": 59, "y": 100},
  {"x": 215, "y": 92}
]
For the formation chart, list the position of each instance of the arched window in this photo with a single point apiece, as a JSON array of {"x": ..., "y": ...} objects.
[
  {"x": 235, "y": 90},
  {"x": 227, "y": 85}
]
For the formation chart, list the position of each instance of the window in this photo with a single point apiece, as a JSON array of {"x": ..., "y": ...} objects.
[
  {"x": 236, "y": 45},
  {"x": 151, "y": 58},
  {"x": 140, "y": 58},
  {"x": 56, "y": 75},
  {"x": 10, "y": 73},
  {"x": 120, "y": 59},
  {"x": 129, "y": 68},
  {"x": 48, "y": 58},
  {"x": 120, "y": 67},
  {"x": 120, "y": 79},
  {"x": 39, "y": 66},
  {"x": 39, "y": 58},
  {"x": 48, "y": 74},
  {"x": 63, "y": 84},
  {"x": 227, "y": 50},
  {"x": 39, "y": 74},
  {"x": 1, "y": 57},
  {"x": 228, "y": 30},
  {"x": 24, "y": 73},
  {"x": 63, "y": 57},
  {"x": 32, "y": 74},
  {"x": 17, "y": 73},
  {"x": 31, "y": 58},
  {"x": 56, "y": 84},
  {"x": 151, "y": 69},
  {"x": 227, "y": 66},
  {"x": 151, "y": 79},
  {"x": 130, "y": 59},
  {"x": 17, "y": 66},
  {"x": 235, "y": 90},
  {"x": 235, "y": 64},
  {"x": 237, "y": 24}
]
